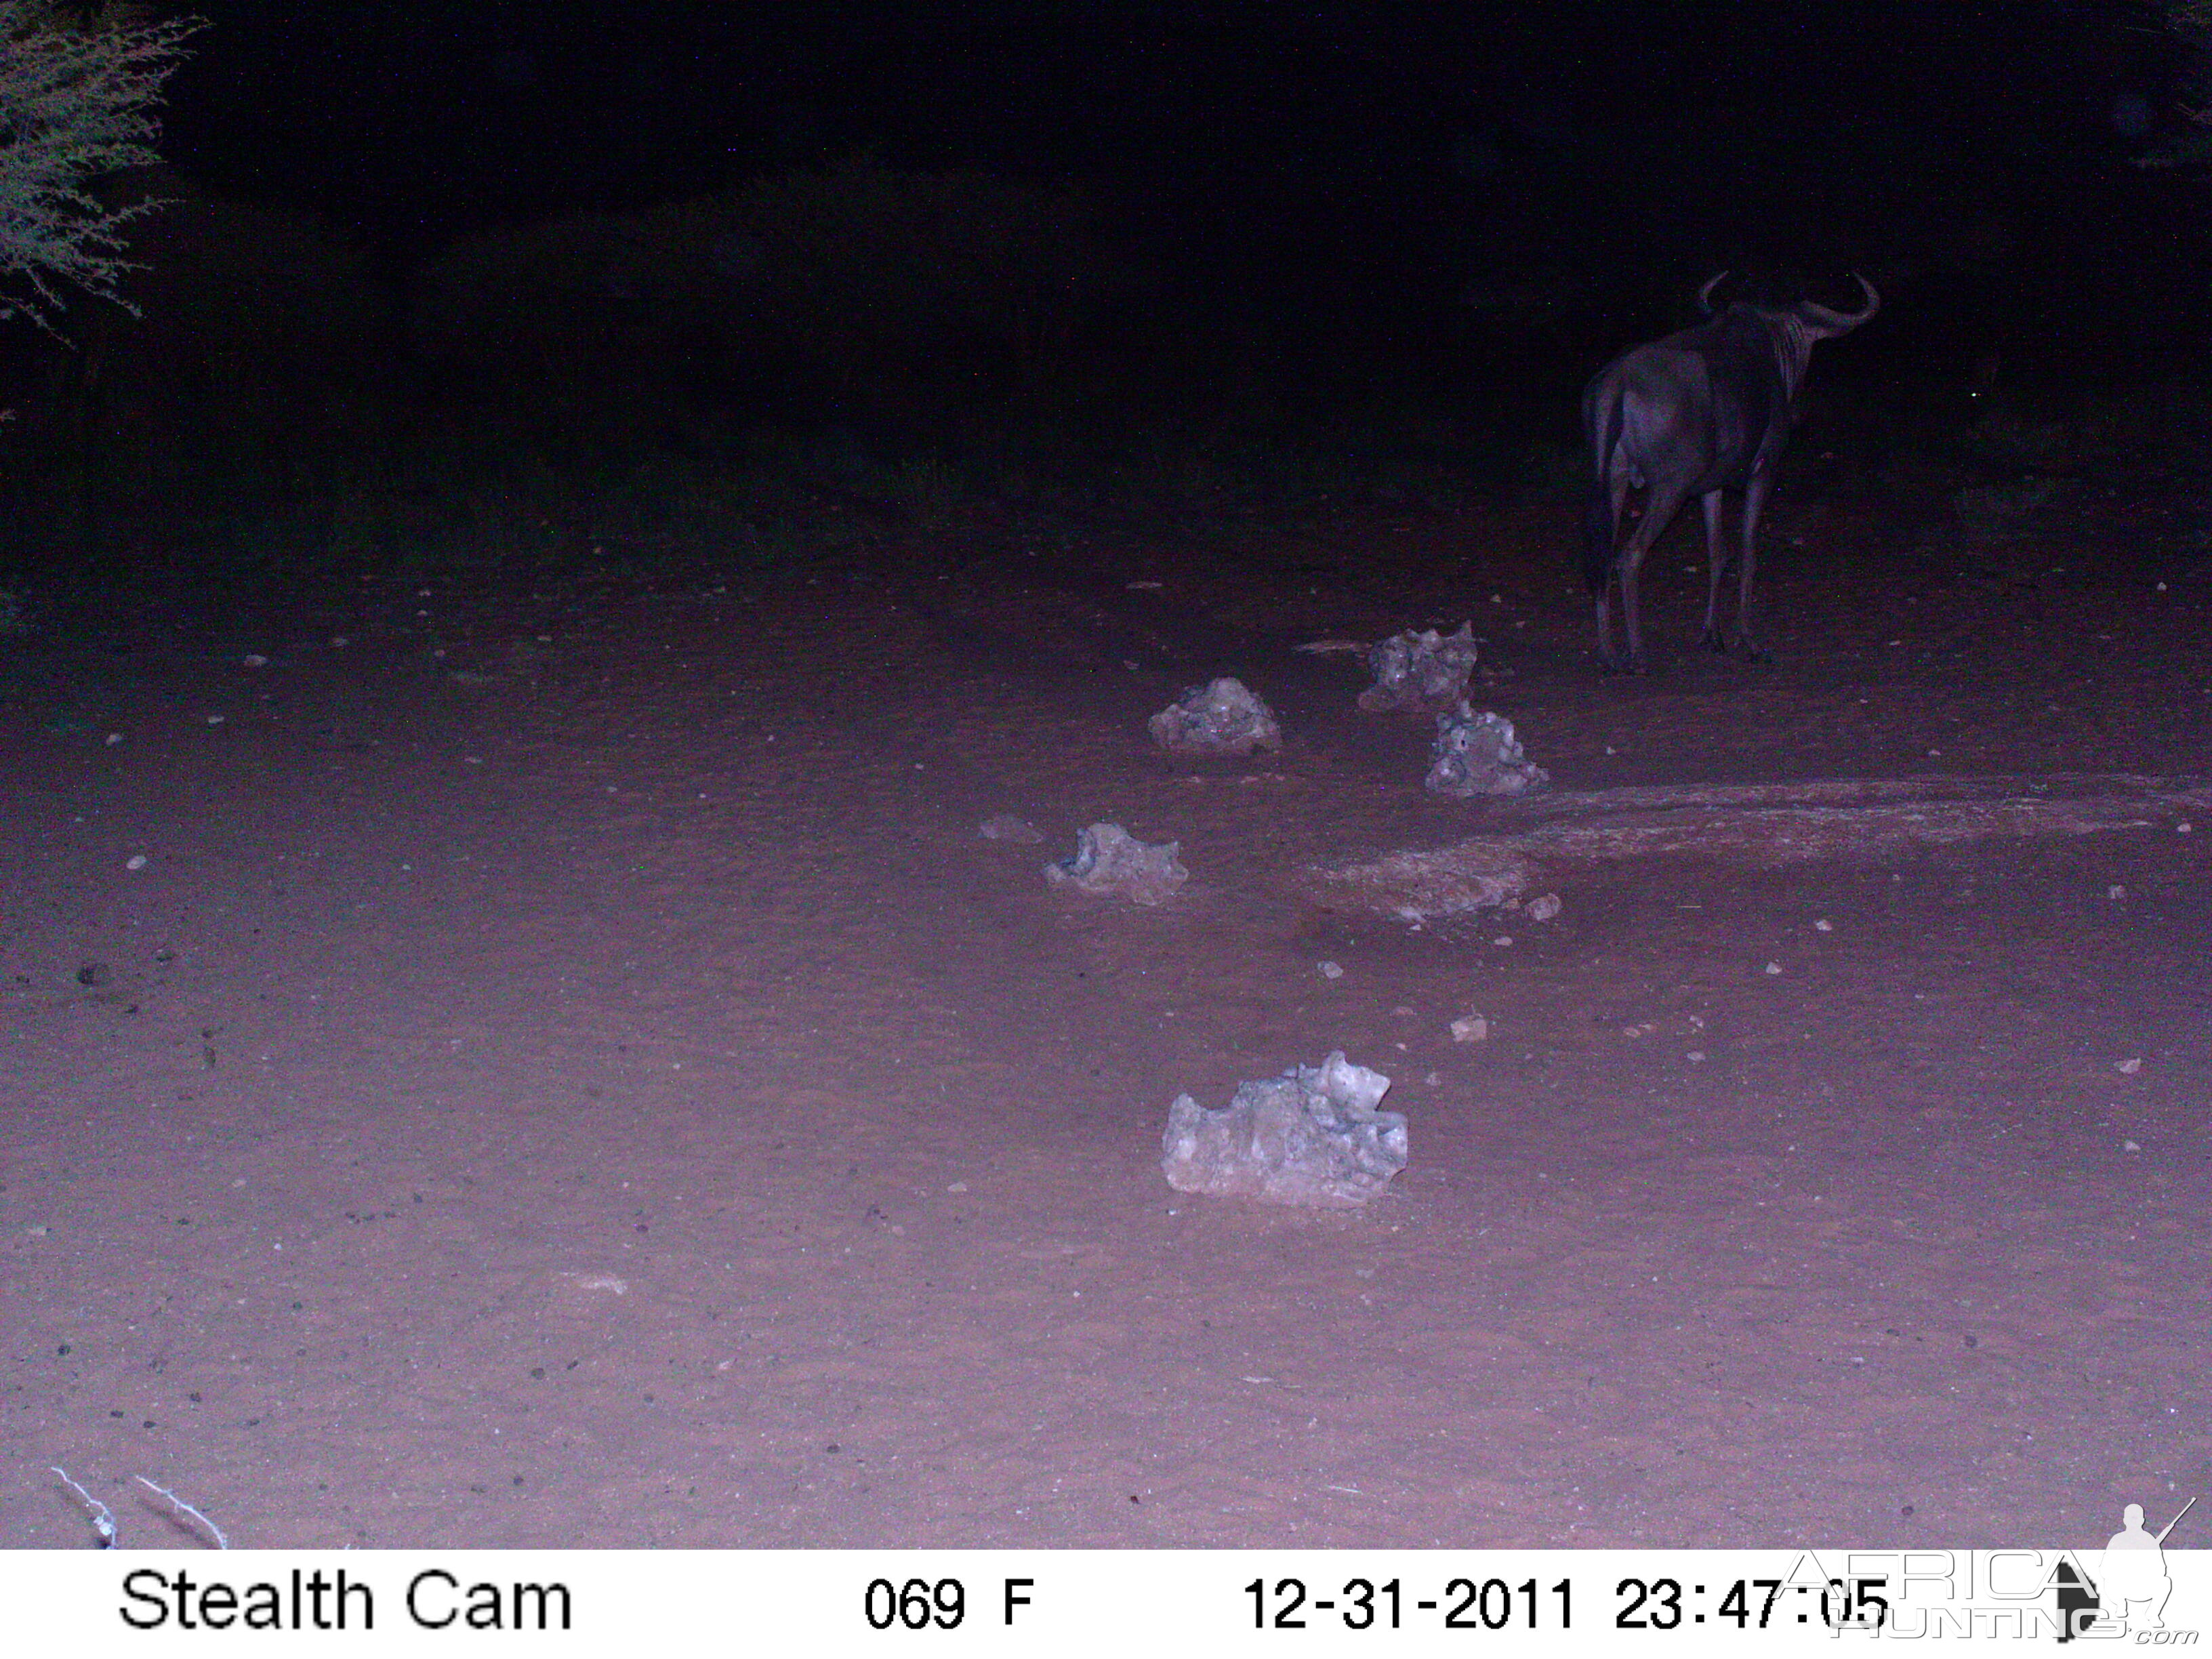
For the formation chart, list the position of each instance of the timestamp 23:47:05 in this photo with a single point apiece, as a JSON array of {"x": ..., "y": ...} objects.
[{"x": 1469, "y": 1603}]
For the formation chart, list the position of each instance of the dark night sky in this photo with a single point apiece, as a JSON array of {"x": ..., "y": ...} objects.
[
  {"x": 1318, "y": 162},
  {"x": 412, "y": 121}
]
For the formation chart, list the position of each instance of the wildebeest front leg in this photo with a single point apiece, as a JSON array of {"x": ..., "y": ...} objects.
[
  {"x": 1716, "y": 563},
  {"x": 1754, "y": 498}
]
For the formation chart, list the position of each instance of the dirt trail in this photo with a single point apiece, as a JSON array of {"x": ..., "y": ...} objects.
[{"x": 602, "y": 1089}]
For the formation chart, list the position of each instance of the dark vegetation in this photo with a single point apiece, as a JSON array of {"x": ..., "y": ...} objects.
[{"x": 851, "y": 343}]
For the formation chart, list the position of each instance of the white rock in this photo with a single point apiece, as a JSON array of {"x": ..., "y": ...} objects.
[
  {"x": 1315, "y": 1135},
  {"x": 1223, "y": 718},
  {"x": 1420, "y": 673},
  {"x": 1108, "y": 860},
  {"x": 1478, "y": 755}
]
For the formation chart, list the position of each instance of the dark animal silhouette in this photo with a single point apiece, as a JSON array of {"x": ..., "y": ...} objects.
[{"x": 1695, "y": 414}]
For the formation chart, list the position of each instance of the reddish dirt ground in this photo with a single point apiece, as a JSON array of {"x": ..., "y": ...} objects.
[{"x": 594, "y": 1086}]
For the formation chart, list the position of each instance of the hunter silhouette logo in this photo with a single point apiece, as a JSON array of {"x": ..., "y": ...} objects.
[{"x": 2131, "y": 1585}]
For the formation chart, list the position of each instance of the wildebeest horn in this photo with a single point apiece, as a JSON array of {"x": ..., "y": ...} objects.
[
  {"x": 1837, "y": 322},
  {"x": 1705, "y": 294}
]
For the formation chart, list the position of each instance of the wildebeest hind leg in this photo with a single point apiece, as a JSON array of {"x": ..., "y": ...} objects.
[
  {"x": 1754, "y": 498},
  {"x": 1617, "y": 488},
  {"x": 1716, "y": 565},
  {"x": 1659, "y": 505}
]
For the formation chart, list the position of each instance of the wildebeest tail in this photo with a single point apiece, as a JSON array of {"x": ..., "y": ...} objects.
[{"x": 1600, "y": 535}]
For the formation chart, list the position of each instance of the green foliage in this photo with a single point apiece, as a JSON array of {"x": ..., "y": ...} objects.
[{"x": 77, "y": 90}]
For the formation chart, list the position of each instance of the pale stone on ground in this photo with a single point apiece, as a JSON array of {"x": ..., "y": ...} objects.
[
  {"x": 1109, "y": 861},
  {"x": 1420, "y": 673},
  {"x": 1224, "y": 718},
  {"x": 1479, "y": 754},
  {"x": 1315, "y": 1135}
]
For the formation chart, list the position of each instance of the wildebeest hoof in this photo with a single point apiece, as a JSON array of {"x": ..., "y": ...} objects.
[
  {"x": 1712, "y": 641},
  {"x": 1754, "y": 653},
  {"x": 1624, "y": 666}
]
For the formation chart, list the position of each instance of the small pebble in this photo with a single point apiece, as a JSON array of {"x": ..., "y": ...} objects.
[
  {"x": 254, "y": 659},
  {"x": 2130, "y": 1146},
  {"x": 1695, "y": 1056},
  {"x": 1543, "y": 908},
  {"x": 1773, "y": 967},
  {"x": 136, "y": 861},
  {"x": 2116, "y": 892},
  {"x": 2127, "y": 1067},
  {"x": 1503, "y": 938},
  {"x": 1470, "y": 1028},
  {"x": 114, "y": 738},
  {"x": 1331, "y": 970},
  {"x": 1824, "y": 926}
]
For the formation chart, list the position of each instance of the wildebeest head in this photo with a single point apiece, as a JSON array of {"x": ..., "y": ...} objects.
[
  {"x": 1808, "y": 321},
  {"x": 1794, "y": 328}
]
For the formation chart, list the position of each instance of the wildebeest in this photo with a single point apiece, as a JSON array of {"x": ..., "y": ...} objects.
[{"x": 1699, "y": 412}]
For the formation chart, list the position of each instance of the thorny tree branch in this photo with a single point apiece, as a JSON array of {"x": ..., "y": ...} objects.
[{"x": 76, "y": 91}]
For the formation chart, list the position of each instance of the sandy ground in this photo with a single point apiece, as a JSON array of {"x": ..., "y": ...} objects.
[{"x": 569, "y": 1072}]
